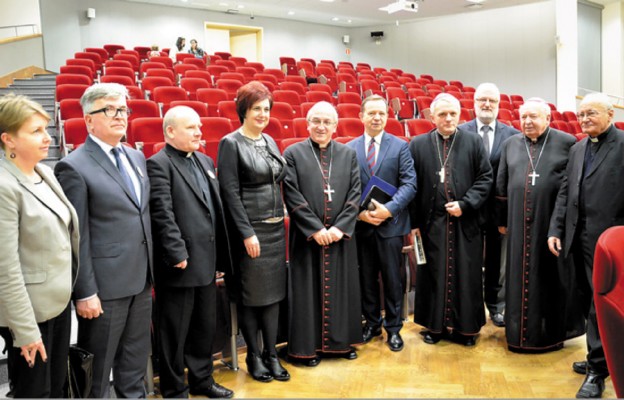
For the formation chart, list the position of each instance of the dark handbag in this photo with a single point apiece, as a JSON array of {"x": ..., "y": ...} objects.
[{"x": 79, "y": 373}]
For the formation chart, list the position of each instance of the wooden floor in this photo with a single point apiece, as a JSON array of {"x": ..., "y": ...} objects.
[{"x": 444, "y": 370}]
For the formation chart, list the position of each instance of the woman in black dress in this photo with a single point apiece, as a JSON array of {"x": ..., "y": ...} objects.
[{"x": 251, "y": 169}]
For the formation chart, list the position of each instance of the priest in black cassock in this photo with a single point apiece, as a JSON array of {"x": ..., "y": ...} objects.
[
  {"x": 455, "y": 178},
  {"x": 322, "y": 192},
  {"x": 540, "y": 312}
]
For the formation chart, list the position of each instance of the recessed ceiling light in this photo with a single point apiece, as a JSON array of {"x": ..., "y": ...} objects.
[
  {"x": 327, "y": 1},
  {"x": 291, "y": 13},
  {"x": 349, "y": 21},
  {"x": 476, "y": 1},
  {"x": 241, "y": 6},
  {"x": 335, "y": 19}
]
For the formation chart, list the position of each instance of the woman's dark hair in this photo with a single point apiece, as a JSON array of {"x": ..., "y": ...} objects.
[
  {"x": 248, "y": 95},
  {"x": 179, "y": 43}
]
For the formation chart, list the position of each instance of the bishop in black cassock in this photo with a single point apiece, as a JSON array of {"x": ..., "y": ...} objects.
[
  {"x": 454, "y": 177},
  {"x": 540, "y": 312},
  {"x": 322, "y": 191}
]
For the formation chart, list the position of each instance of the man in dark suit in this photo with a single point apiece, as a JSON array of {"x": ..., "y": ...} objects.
[
  {"x": 493, "y": 133},
  {"x": 590, "y": 200},
  {"x": 190, "y": 242},
  {"x": 380, "y": 228},
  {"x": 107, "y": 184}
]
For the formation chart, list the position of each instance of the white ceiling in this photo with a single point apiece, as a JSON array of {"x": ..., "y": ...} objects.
[{"x": 353, "y": 13}]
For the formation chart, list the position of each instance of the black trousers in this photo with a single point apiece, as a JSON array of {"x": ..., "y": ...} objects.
[
  {"x": 494, "y": 271},
  {"x": 187, "y": 319},
  {"x": 583, "y": 256},
  {"x": 43, "y": 380},
  {"x": 381, "y": 255}
]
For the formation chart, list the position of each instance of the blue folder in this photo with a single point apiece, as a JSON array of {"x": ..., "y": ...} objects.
[{"x": 379, "y": 190}]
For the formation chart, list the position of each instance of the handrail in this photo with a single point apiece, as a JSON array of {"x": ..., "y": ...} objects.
[
  {"x": 617, "y": 101},
  {"x": 16, "y": 30}
]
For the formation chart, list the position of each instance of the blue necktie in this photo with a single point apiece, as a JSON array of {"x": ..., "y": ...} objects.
[
  {"x": 124, "y": 174},
  {"x": 370, "y": 155}
]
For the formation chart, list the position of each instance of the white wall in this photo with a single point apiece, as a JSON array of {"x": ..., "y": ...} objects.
[
  {"x": 19, "y": 12},
  {"x": 523, "y": 60},
  {"x": 454, "y": 47},
  {"x": 613, "y": 49}
]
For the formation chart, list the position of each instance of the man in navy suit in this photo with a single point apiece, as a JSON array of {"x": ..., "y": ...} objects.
[
  {"x": 107, "y": 184},
  {"x": 380, "y": 231},
  {"x": 493, "y": 134}
]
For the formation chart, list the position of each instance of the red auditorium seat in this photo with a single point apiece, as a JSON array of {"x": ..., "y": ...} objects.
[
  {"x": 418, "y": 126},
  {"x": 117, "y": 63},
  {"x": 348, "y": 97},
  {"x": 131, "y": 58},
  {"x": 278, "y": 74},
  {"x": 297, "y": 87},
  {"x": 608, "y": 280},
  {"x": 562, "y": 126},
  {"x": 216, "y": 71},
  {"x": 227, "y": 109},
  {"x": 76, "y": 79},
  {"x": 346, "y": 64},
  {"x": 349, "y": 127},
  {"x": 112, "y": 49},
  {"x": 143, "y": 51},
  {"x": 200, "y": 108},
  {"x": 505, "y": 115},
  {"x": 300, "y": 128},
  {"x": 167, "y": 94},
  {"x": 165, "y": 72},
  {"x": 212, "y": 97},
  {"x": 192, "y": 85},
  {"x": 163, "y": 59},
  {"x": 320, "y": 87},
  {"x": 395, "y": 127},
  {"x": 225, "y": 55},
  {"x": 404, "y": 108},
  {"x": 85, "y": 63},
  {"x": 214, "y": 128},
  {"x": 248, "y": 73},
  {"x": 369, "y": 87},
  {"x": 314, "y": 97},
  {"x": 76, "y": 69},
  {"x": 239, "y": 61},
  {"x": 146, "y": 130},
  {"x": 102, "y": 52},
  {"x": 135, "y": 92},
  {"x": 122, "y": 80},
  {"x": 305, "y": 107},
  {"x": 230, "y": 86},
  {"x": 258, "y": 66},
  {"x": 203, "y": 74},
  {"x": 198, "y": 62},
  {"x": 576, "y": 127},
  {"x": 422, "y": 103},
  {"x": 74, "y": 133},
  {"x": 149, "y": 83},
  {"x": 121, "y": 71},
  {"x": 145, "y": 65},
  {"x": 348, "y": 110},
  {"x": 569, "y": 116},
  {"x": 233, "y": 75},
  {"x": 283, "y": 111},
  {"x": 90, "y": 56},
  {"x": 142, "y": 108},
  {"x": 306, "y": 69},
  {"x": 180, "y": 69},
  {"x": 618, "y": 124},
  {"x": 226, "y": 63},
  {"x": 69, "y": 91},
  {"x": 69, "y": 108}
]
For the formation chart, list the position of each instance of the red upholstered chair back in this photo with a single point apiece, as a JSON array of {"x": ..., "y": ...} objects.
[{"x": 609, "y": 299}]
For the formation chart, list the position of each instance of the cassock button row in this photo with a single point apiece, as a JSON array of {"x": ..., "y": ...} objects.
[
  {"x": 326, "y": 309},
  {"x": 326, "y": 302},
  {"x": 326, "y": 294},
  {"x": 527, "y": 281},
  {"x": 326, "y": 287}
]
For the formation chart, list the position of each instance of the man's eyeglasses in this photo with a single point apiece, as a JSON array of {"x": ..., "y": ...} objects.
[
  {"x": 483, "y": 100},
  {"x": 326, "y": 123},
  {"x": 588, "y": 114},
  {"x": 113, "y": 112}
]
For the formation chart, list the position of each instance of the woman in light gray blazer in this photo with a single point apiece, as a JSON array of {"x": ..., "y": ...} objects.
[{"x": 38, "y": 254}]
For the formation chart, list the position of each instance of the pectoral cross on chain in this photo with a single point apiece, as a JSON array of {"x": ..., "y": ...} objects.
[
  {"x": 533, "y": 175},
  {"x": 328, "y": 191}
]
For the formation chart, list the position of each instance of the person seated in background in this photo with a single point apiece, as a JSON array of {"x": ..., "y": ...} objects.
[
  {"x": 154, "y": 51},
  {"x": 178, "y": 48},
  {"x": 39, "y": 245},
  {"x": 196, "y": 50}
]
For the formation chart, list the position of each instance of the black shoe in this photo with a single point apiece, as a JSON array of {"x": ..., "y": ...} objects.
[
  {"x": 580, "y": 367},
  {"x": 350, "y": 355},
  {"x": 498, "y": 319},
  {"x": 214, "y": 391},
  {"x": 368, "y": 333},
  {"x": 395, "y": 342},
  {"x": 466, "y": 340},
  {"x": 592, "y": 386},
  {"x": 275, "y": 367},
  {"x": 431, "y": 338},
  {"x": 256, "y": 368},
  {"x": 312, "y": 362}
]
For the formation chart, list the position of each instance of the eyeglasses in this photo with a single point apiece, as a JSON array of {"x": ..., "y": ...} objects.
[
  {"x": 326, "y": 123},
  {"x": 485, "y": 100},
  {"x": 588, "y": 114},
  {"x": 113, "y": 112}
]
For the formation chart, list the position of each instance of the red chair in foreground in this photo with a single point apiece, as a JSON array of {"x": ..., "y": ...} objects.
[{"x": 608, "y": 281}]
